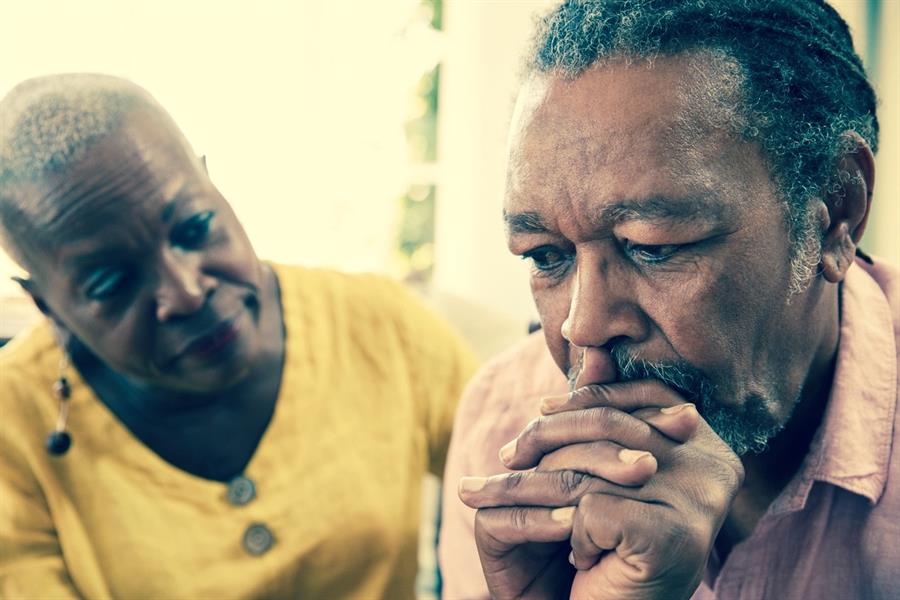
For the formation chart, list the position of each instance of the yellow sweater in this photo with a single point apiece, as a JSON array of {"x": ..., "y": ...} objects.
[{"x": 370, "y": 385}]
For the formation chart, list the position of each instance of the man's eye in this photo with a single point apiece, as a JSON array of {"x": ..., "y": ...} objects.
[
  {"x": 547, "y": 259},
  {"x": 105, "y": 282},
  {"x": 191, "y": 234},
  {"x": 651, "y": 254}
]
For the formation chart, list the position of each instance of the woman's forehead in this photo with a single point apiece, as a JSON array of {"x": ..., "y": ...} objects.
[{"x": 124, "y": 181}]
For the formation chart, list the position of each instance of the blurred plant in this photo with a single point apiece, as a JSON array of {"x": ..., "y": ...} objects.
[{"x": 415, "y": 235}]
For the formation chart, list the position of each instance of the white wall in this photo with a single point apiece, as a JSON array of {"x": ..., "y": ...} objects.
[{"x": 484, "y": 45}]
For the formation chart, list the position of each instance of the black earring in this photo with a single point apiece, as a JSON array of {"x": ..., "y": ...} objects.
[{"x": 59, "y": 440}]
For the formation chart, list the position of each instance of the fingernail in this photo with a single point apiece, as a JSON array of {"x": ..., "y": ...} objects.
[
  {"x": 563, "y": 515},
  {"x": 551, "y": 403},
  {"x": 629, "y": 457},
  {"x": 572, "y": 558},
  {"x": 507, "y": 452},
  {"x": 674, "y": 410},
  {"x": 472, "y": 484}
]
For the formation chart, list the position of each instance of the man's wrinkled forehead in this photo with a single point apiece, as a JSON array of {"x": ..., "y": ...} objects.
[
  {"x": 620, "y": 131},
  {"x": 607, "y": 111}
]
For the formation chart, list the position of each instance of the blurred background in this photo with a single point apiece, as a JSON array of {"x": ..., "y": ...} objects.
[{"x": 363, "y": 134}]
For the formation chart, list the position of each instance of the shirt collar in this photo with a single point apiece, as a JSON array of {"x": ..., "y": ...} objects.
[{"x": 851, "y": 449}]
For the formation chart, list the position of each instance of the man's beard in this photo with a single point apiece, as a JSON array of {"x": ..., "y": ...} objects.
[{"x": 746, "y": 428}]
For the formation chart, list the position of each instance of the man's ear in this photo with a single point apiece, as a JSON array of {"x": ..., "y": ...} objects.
[
  {"x": 203, "y": 163},
  {"x": 31, "y": 289},
  {"x": 848, "y": 202}
]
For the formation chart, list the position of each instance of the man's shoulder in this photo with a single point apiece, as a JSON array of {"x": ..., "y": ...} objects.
[
  {"x": 887, "y": 276},
  {"x": 527, "y": 368},
  {"x": 515, "y": 380}
]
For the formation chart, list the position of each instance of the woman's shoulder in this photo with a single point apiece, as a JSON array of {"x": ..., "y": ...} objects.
[
  {"x": 28, "y": 367},
  {"x": 31, "y": 354}
]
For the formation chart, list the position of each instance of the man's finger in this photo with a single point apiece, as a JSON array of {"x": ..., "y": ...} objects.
[
  {"x": 543, "y": 488},
  {"x": 678, "y": 423},
  {"x": 499, "y": 530},
  {"x": 603, "y": 522},
  {"x": 627, "y": 396},
  {"x": 596, "y": 366},
  {"x": 525, "y": 549},
  {"x": 547, "y": 434},
  {"x": 605, "y": 460}
]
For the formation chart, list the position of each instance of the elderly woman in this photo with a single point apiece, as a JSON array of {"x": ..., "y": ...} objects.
[{"x": 189, "y": 421}]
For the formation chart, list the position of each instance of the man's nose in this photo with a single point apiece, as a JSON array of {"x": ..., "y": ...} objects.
[
  {"x": 602, "y": 308},
  {"x": 183, "y": 287}
]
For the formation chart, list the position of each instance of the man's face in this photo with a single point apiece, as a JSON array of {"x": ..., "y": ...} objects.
[
  {"x": 658, "y": 238},
  {"x": 137, "y": 254}
]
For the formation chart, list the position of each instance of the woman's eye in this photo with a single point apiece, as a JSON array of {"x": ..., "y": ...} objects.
[
  {"x": 103, "y": 283},
  {"x": 191, "y": 234},
  {"x": 547, "y": 259},
  {"x": 651, "y": 253}
]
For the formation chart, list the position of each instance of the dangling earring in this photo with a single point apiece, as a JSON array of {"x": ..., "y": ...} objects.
[{"x": 59, "y": 440}]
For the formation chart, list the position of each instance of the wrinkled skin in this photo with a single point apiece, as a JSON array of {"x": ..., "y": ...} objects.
[
  {"x": 136, "y": 254},
  {"x": 649, "y": 236},
  {"x": 155, "y": 291}
]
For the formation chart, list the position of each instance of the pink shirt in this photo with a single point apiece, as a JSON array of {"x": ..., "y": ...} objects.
[{"x": 833, "y": 532}]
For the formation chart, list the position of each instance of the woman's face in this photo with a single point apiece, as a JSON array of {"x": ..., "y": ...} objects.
[{"x": 135, "y": 252}]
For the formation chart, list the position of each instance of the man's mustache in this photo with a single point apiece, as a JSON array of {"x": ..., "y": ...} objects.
[{"x": 683, "y": 377}]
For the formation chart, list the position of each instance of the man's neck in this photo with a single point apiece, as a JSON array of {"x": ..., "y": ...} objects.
[{"x": 768, "y": 473}]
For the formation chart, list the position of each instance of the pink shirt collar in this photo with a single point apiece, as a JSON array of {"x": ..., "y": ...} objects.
[{"x": 852, "y": 447}]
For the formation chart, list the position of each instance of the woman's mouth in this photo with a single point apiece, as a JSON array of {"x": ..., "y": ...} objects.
[{"x": 216, "y": 341}]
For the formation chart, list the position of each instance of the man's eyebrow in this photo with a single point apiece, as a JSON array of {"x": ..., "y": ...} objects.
[
  {"x": 658, "y": 208},
  {"x": 524, "y": 222},
  {"x": 655, "y": 208}
]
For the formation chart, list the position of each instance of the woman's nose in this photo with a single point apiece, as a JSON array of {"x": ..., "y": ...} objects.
[{"x": 183, "y": 287}]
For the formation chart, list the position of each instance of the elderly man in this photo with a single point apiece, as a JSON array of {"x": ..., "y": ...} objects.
[{"x": 690, "y": 181}]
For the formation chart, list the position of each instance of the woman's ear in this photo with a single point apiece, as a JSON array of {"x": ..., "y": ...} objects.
[
  {"x": 848, "y": 202},
  {"x": 31, "y": 289},
  {"x": 61, "y": 331}
]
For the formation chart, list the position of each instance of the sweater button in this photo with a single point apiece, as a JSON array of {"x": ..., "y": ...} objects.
[
  {"x": 241, "y": 490},
  {"x": 258, "y": 539}
]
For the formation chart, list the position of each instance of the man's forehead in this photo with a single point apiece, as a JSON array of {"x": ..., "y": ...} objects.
[
  {"x": 631, "y": 88},
  {"x": 621, "y": 133}
]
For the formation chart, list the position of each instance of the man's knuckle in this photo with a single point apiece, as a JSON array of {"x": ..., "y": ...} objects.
[
  {"x": 724, "y": 482},
  {"x": 513, "y": 480},
  {"x": 482, "y": 520},
  {"x": 588, "y": 504},
  {"x": 520, "y": 517},
  {"x": 571, "y": 483},
  {"x": 533, "y": 430},
  {"x": 603, "y": 418}
]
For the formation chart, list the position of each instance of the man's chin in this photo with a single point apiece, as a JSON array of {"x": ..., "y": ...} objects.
[{"x": 746, "y": 428}]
